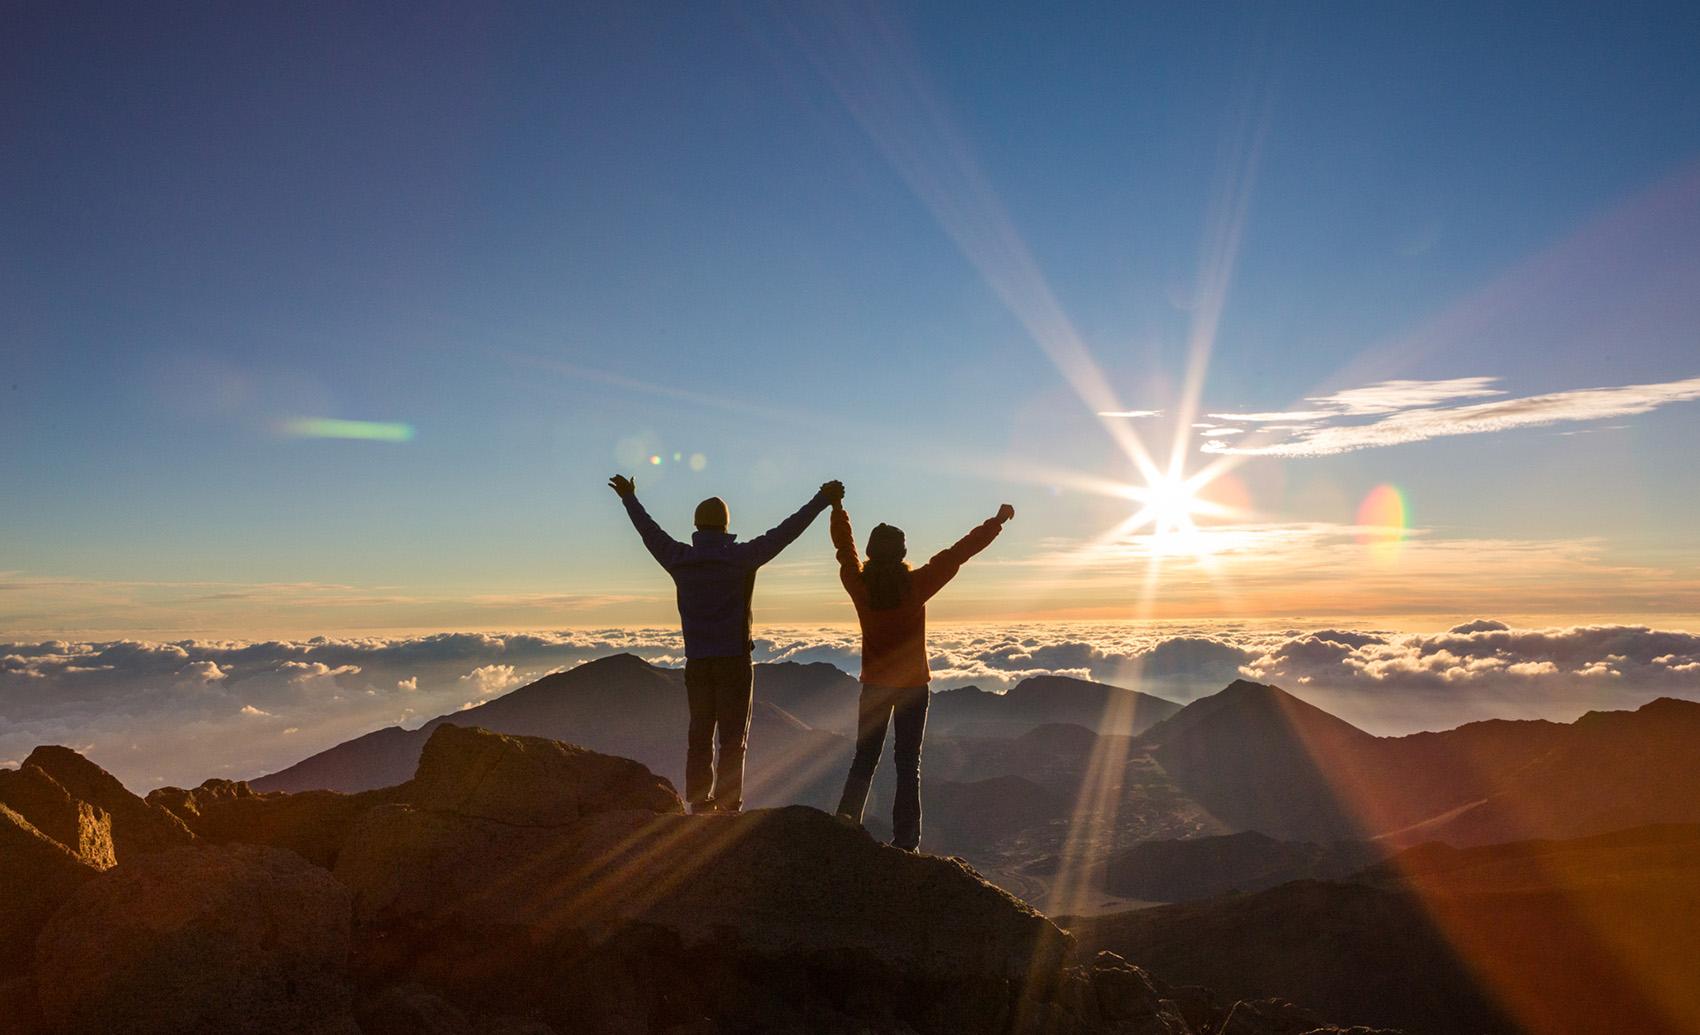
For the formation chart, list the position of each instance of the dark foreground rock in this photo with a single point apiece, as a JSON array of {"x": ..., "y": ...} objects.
[
  {"x": 520, "y": 886},
  {"x": 37, "y": 874},
  {"x": 232, "y": 938},
  {"x": 634, "y": 919}
]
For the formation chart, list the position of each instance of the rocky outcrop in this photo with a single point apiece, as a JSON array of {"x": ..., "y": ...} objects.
[
  {"x": 520, "y": 886},
  {"x": 530, "y": 781},
  {"x": 37, "y": 874},
  {"x": 201, "y": 938},
  {"x": 137, "y": 827},
  {"x": 84, "y": 829},
  {"x": 313, "y": 824}
]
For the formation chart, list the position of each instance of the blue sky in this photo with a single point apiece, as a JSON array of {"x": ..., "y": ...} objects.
[{"x": 555, "y": 242}]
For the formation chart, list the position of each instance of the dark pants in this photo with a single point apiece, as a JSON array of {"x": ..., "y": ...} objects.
[
  {"x": 878, "y": 707},
  {"x": 719, "y": 692}
]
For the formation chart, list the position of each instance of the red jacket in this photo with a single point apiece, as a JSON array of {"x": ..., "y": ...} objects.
[{"x": 894, "y": 641}]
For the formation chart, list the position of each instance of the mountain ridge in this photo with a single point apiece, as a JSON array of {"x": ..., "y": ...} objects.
[{"x": 1251, "y": 757}]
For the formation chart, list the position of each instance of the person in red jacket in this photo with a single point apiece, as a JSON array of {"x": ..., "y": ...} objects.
[{"x": 891, "y": 602}]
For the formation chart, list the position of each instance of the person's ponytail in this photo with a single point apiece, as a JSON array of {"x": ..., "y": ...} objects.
[{"x": 887, "y": 582}]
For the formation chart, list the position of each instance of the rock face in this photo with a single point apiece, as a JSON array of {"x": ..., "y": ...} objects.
[
  {"x": 137, "y": 827},
  {"x": 202, "y": 938},
  {"x": 37, "y": 873},
  {"x": 84, "y": 829}
]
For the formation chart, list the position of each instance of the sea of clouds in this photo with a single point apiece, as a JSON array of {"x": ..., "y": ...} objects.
[{"x": 160, "y": 713}]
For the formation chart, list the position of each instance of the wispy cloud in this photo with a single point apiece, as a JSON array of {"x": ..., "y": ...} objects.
[
  {"x": 1393, "y": 396},
  {"x": 1408, "y": 414},
  {"x": 1130, "y": 414}
]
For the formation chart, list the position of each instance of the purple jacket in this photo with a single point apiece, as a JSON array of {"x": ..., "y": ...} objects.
[{"x": 716, "y": 575}]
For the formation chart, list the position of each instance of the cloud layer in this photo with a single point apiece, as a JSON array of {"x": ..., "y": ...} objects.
[
  {"x": 1410, "y": 411},
  {"x": 157, "y": 713}
]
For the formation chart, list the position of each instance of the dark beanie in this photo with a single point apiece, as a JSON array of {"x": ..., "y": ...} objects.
[
  {"x": 713, "y": 513},
  {"x": 885, "y": 543}
]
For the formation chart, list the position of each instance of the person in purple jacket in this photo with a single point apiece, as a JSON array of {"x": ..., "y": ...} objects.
[{"x": 715, "y": 576}]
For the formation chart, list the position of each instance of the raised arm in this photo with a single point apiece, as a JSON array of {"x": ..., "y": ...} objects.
[
  {"x": 932, "y": 576},
  {"x": 844, "y": 545},
  {"x": 663, "y": 547},
  {"x": 766, "y": 547}
]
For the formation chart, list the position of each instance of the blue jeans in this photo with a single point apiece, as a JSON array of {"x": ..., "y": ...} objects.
[{"x": 880, "y": 706}]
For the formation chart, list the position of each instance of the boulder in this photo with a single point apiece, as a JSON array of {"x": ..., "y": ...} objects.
[
  {"x": 530, "y": 781},
  {"x": 137, "y": 827},
  {"x": 84, "y": 829},
  {"x": 313, "y": 824},
  {"x": 200, "y": 938},
  {"x": 37, "y": 874},
  {"x": 767, "y": 919}
]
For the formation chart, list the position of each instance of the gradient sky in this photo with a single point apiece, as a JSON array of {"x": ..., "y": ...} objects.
[{"x": 874, "y": 244}]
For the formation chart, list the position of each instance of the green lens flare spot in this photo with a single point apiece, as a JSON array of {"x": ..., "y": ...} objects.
[{"x": 361, "y": 430}]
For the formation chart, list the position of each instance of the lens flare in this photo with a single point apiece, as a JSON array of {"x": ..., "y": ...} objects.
[
  {"x": 655, "y": 460},
  {"x": 362, "y": 430},
  {"x": 1383, "y": 521}
]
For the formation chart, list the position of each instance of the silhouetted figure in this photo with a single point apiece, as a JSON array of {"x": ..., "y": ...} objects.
[
  {"x": 891, "y": 602},
  {"x": 715, "y": 576}
]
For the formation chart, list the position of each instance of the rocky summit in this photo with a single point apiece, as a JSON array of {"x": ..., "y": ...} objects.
[{"x": 518, "y": 884}]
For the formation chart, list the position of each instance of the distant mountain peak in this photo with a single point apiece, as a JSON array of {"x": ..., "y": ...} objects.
[
  {"x": 1261, "y": 704},
  {"x": 1670, "y": 706},
  {"x": 625, "y": 660}
]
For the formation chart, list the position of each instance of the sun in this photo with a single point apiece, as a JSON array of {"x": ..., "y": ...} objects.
[{"x": 1169, "y": 504}]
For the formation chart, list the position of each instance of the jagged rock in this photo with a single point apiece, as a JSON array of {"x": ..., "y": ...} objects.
[
  {"x": 1197, "y": 1006},
  {"x": 313, "y": 824},
  {"x": 1269, "y": 1017},
  {"x": 137, "y": 827},
  {"x": 37, "y": 874},
  {"x": 530, "y": 781},
  {"x": 84, "y": 829},
  {"x": 1279, "y": 1017},
  {"x": 189, "y": 805},
  {"x": 200, "y": 938},
  {"x": 1130, "y": 1000},
  {"x": 1123, "y": 992}
]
